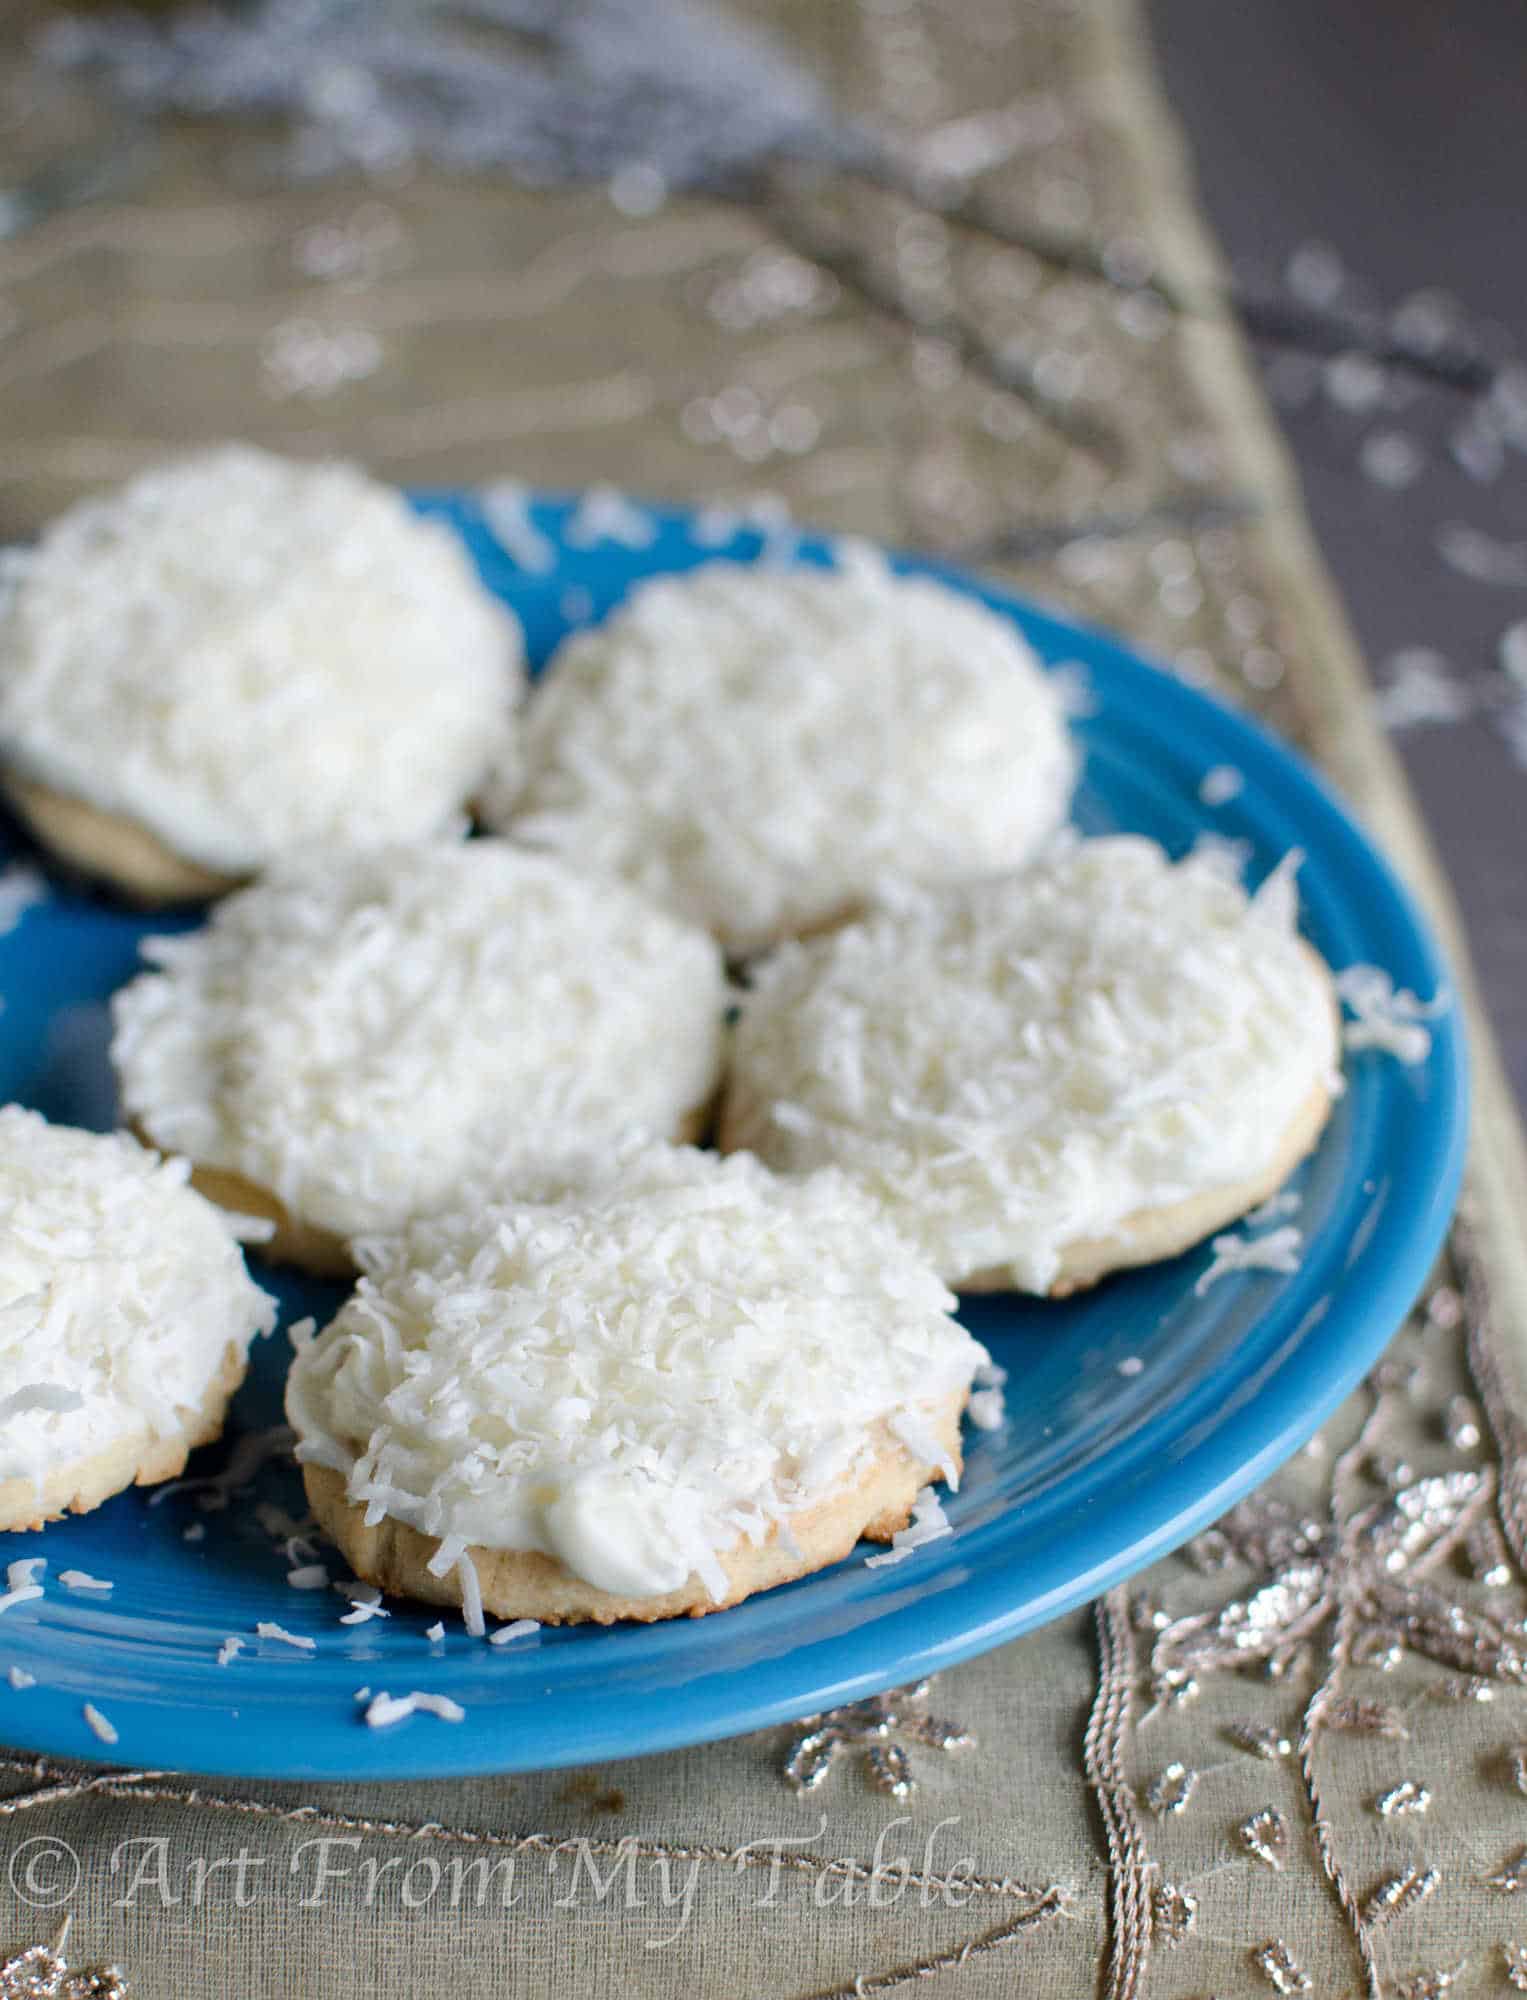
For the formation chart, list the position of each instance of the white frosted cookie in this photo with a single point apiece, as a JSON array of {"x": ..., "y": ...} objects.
[
  {"x": 1091, "y": 1064},
  {"x": 236, "y": 657},
  {"x": 760, "y": 748},
  {"x": 355, "y": 1034},
  {"x": 126, "y": 1316},
  {"x": 679, "y": 1384}
]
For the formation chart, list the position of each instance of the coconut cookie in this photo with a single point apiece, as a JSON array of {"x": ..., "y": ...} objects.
[
  {"x": 1093, "y": 1064},
  {"x": 126, "y": 1316},
  {"x": 759, "y": 748},
  {"x": 235, "y": 657},
  {"x": 682, "y": 1383},
  {"x": 355, "y": 1034}
]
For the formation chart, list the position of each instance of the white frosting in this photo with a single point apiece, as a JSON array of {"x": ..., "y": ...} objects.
[
  {"x": 1022, "y": 1064},
  {"x": 121, "y": 1291},
  {"x": 633, "y": 1377},
  {"x": 248, "y": 656},
  {"x": 357, "y": 1033},
  {"x": 759, "y": 748}
]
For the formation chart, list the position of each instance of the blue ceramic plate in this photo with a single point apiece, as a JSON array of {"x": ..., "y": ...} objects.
[{"x": 1136, "y": 1413}]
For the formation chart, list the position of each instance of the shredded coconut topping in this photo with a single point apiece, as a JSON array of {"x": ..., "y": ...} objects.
[
  {"x": 79, "y": 1579},
  {"x": 121, "y": 1293},
  {"x": 19, "y": 1678},
  {"x": 632, "y": 1377},
  {"x": 249, "y": 657},
  {"x": 760, "y": 748},
  {"x": 1025, "y": 1063},
  {"x": 360, "y": 1033}
]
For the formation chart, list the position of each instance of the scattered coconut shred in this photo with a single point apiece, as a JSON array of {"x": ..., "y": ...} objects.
[
  {"x": 385, "y": 1709},
  {"x": 99, "y": 1724},
  {"x": 929, "y": 1523},
  {"x": 1221, "y": 784},
  {"x": 267, "y": 1629},
  {"x": 987, "y": 1408},
  {"x": 1276, "y": 1250},
  {"x": 505, "y": 507},
  {"x": 22, "y": 887},
  {"x": 365, "y": 1603},
  {"x": 522, "y": 1628},
  {"x": 79, "y": 1579},
  {"x": 1385, "y": 1018},
  {"x": 605, "y": 514}
]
